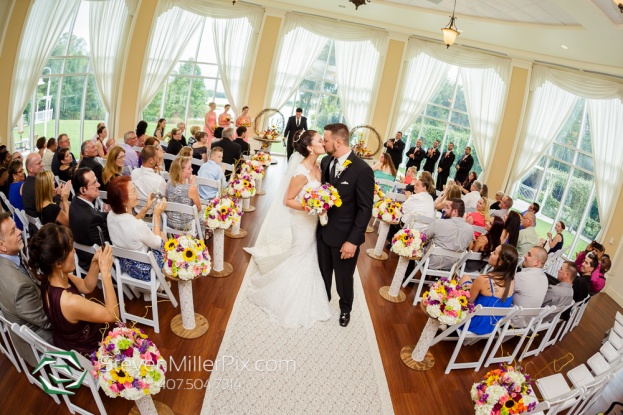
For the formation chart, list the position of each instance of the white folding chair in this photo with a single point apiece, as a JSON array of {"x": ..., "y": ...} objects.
[
  {"x": 471, "y": 256},
  {"x": 555, "y": 390},
  {"x": 479, "y": 229},
  {"x": 7, "y": 203},
  {"x": 547, "y": 324},
  {"x": 196, "y": 162},
  {"x": 165, "y": 175},
  {"x": 398, "y": 197},
  {"x": 566, "y": 325},
  {"x": 34, "y": 221},
  {"x": 591, "y": 394},
  {"x": 418, "y": 222},
  {"x": 385, "y": 182},
  {"x": 399, "y": 187},
  {"x": 21, "y": 215},
  {"x": 615, "y": 340},
  {"x": 215, "y": 184},
  {"x": 194, "y": 227},
  {"x": 619, "y": 318},
  {"x": 228, "y": 167},
  {"x": 151, "y": 286},
  {"x": 169, "y": 157},
  {"x": 425, "y": 265},
  {"x": 6, "y": 343},
  {"x": 60, "y": 373},
  {"x": 80, "y": 272},
  {"x": 137, "y": 149},
  {"x": 101, "y": 161},
  {"x": 502, "y": 314},
  {"x": 580, "y": 313}
]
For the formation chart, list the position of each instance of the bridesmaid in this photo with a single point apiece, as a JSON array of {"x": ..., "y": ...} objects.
[
  {"x": 224, "y": 119},
  {"x": 210, "y": 121},
  {"x": 244, "y": 120}
]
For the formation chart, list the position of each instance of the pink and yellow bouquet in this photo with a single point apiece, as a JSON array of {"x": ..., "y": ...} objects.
[
  {"x": 222, "y": 212},
  {"x": 263, "y": 158},
  {"x": 318, "y": 200},
  {"x": 378, "y": 193},
  {"x": 128, "y": 364},
  {"x": 408, "y": 242},
  {"x": 447, "y": 301},
  {"x": 270, "y": 133},
  {"x": 252, "y": 168},
  {"x": 503, "y": 391},
  {"x": 242, "y": 185},
  {"x": 186, "y": 258},
  {"x": 387, "y": 210}
]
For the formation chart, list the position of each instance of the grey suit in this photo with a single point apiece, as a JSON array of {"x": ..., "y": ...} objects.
[
  {"x": 20, "y": 301},
  {"x": 453, "y": 234}
]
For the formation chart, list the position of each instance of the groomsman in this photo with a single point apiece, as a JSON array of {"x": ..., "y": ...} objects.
[
  {"x": 395, "y": 148},
  {"x": 415, "y": 155},
  {"x": 295, "y": 123},
  {"x": 464, "y": 166},
  {"x": 445, "y": 164},
  {"x": 432, "y": 155}
]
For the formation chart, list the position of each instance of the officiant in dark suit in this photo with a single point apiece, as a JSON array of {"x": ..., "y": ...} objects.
[
  {"x": 445, "y": 164},
  {"x": 295, "y": 123},
  {"x": 339, "y": 240},
  {"x": 464, "y": 166}
]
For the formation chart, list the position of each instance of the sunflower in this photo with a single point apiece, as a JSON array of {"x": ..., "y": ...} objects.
[
  {"x": 189, "y": 255},
  {"x": 224, "y": 210},
  {"x": 120, "y": 376},
  {"x": 170, "y": 245},
  {"x": 463, "y": 301}
]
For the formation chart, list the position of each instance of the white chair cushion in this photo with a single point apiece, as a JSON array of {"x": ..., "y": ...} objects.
[
  {"x": 609, "y": 352},
  {"x": 615, "y": 340},
  {"x": 552, "y": 386},
  {"x": 598, "y": 364},
  {"x": 580, "y": 376}
]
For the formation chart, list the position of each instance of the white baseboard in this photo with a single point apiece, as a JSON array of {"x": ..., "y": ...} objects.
[{"x": 615, "y": 296}]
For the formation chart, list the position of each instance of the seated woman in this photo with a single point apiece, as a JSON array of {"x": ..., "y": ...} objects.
[
  {"x": 429, "y": 177},
  {"x": 113, "y": 167},
  {"x": 200, "y": 149},
  {"x": 76, "y": 321},
  {"x": 128, "y": 232},
  {"x": 466, "y": 185},
  {"x": 556, "y": 243},
  {"x": 410, "y": 175},
  {"x": 512, "y": 224},
  {"x": 480, "y": 217},
  {"x": 452, "y": 191},
  {"x": 494, "y": 289},
  {"x": 16, "y": 180},
  {"x": 384, "y": 169},
  {"x": 65, "y": 171},
  {"x": 50, "y": 212},
  {"x": 486, "y": 243},
  {"x": 182, "y": 189},
  {"x": 102, "y": 142}
]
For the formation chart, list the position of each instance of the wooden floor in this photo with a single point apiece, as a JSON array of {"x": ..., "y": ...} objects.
[{"x": 396, "y": 325}]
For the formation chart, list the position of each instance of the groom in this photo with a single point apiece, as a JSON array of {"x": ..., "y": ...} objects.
[{"x": 339, "y": 240}]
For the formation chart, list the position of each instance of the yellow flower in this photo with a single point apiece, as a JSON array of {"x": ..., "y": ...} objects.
[
  {"x": 463, "y": 301},
  {"x": 120, "y": 376},
  {"x": 347, "y": 163},
  {"x": 189, "y": 255},
  {"x": 224, "y": 210},
  {"x": 170, "y": 245},
  {"x": 338, "y": 202}
]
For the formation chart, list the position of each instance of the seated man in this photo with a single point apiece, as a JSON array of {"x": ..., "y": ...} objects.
[
  {"x": 530, "y": 283},
  {"x": 20, "y": 297},
  {"x": 505, "y": 204},
  {"x": 472, "y": 198},
  {"x": 145, "y": 178},
  {"x": 598, "y": 281},
  {"x": 34, "y": 165},
  {"x": 212, "y": 169},
  {"x": 561, "y": 294},
  {"x": 63, "y": 142},
  {"x": 89, "y": 152},
  {"x": 84, "y": 220},
  {"x": 582, "y": 283},
  {"x": 527, "y": 236},
  {"x": 231, "y": 150},
  {"x": 242, "y": 140}
]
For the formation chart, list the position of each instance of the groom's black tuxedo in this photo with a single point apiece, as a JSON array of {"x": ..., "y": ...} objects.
[{"x": 347, "y": 223}]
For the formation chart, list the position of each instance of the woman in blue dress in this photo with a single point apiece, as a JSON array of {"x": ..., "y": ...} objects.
[
  {"x": 495, "y": 289},
  {"x": 384, "y": 169}
]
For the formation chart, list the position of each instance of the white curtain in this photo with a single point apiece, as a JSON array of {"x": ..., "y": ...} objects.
[
  {"x": 35, "y": 48},
  {"x": 6, "y": 8},
  {"x": 606, "y": 118},
  {"x": 549, "y": 108},
  {"x": 170, "y": 32},
  {"x": 576, "y": 83},
  {"x": 109, "y": 25}
]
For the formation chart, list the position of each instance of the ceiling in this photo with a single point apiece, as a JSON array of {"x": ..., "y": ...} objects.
[{"x": 583, "y": 34}]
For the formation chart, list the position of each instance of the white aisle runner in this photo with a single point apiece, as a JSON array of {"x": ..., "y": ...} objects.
[{"x": 263, "y": 368}]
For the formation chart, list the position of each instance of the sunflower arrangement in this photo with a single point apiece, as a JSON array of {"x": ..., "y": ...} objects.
[
  {"x": 447, "y": 301},
  {"x": 408, "y": 243},
  {"x": 504, "y": 391},
  {"x": 128, "y": 364},
  {"x": 222, "y": 212},
  {"x": 270, "y": 133},
  {"x": 387, "y": 210},
  {"x": 241, "y": 186},
  {"x": 262, "y": 157},
  {"x": 378, "y": 193},
  {"x": 318, "y": 200},
  {"x": 252, "y": 168},
  {"x": 186, "y": 258},
  {"x": 361, "y": 150}
]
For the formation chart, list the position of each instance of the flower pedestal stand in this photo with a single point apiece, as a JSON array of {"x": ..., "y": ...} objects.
[
  {"x": 188, "y": 325},
  {"x": 220, "y": 268},
  {"x": 235, "y": 232},
  {"x": 393, "y": 293},
  {"x": 370, "y": 228},
  {"x": 246, "y": 205},
  {"x": 258, "y": 187},
  {"x": 377, "y": 252},
  {"x": 147, "y": 406},
  {"x": 418, "y": 357}
]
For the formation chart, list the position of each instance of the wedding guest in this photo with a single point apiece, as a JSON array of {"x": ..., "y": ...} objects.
[
  {"x": 212, "y": 169},
  {"x": 410, "y": 175},
  {"x": 498, "y": 198},
  {"x": 594, "y": 251},
  {"x": 530, "y": 283},
  {"x": 34, "y": 165},
  {"x": 128, "y": 232},
  {"x": 16, "y": 181},
  {"x": 5, "y": 160},
  {"x": 102, "y": 143},
  {"x": 193, "y": 131},
  {"x": 41, "y": 146},
  {"x": 185, "y": 152},
  {"x": 418, "y": 203},
  {"x": 452, "y": 233},
  {"x": 429, "y": 177},
  {"x": 200, "y": 148},
  {"x": 174, "y": 146},
  {"x": 145, "y": 179},
  {"x": 160, "y": 126},
  {"x": 47, "y": 210},
  {"x": 556, "y": 243},
  {"x": 244, "y": 120},
  {"x": 561, "y": 294},
  {"x": 527, "y": 236},
  {"x": 473, "y": 196},
  {"x": 76, "y": 321},
  {"x": 153, "y": 141},
  {"x": 65, "y": 170},
  {"x": 451, "y": 191},
  {"x": 210, "y": 124},
  {"x": 415, "y": 155},
  {"x": 99, "y": 125},
  {"x": 218, "y": 134},
  {"x": 466, "y": 185},
  {"x": 224, "y": 119},
  {"x": 89, "y": 152},
  {"x": 141, "y": 133},
  {"x": 182, "y": 127},
  {"x": 182, "y": 189},
  {"x": 505, "y": 205},
  {"x": 114, "y": 166},
  {"x": 231, "y": 150},
  {"x": 49, "y": 154},
  {"x": 129, "y": 141},
  {"x": 479, "y": 217},
  {"x": 487, "y": 242},
  {"x": 63, "y": 142},
  {"x": 510, "y": 234},
  {"x": 384, "y": 169},
  {"x": 484, "y": 192},
  {"x": 242, "y": 140}
]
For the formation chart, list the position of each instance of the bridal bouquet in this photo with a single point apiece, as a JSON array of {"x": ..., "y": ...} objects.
[
  {"x": 447, "y": 301},
  {"x": 252, "y": 168},
  {"x": 270, "y": 133},
  {"x": 128, "y": 364},
  {"x": 262, "y": 157},
  {"x": 186, "y": 258},
  {"x": 242, "y": 185},
  {"x": 503, "y": 391},
  {"x": 378, "y": 193},
  {"x": 408, "y": 243},
  {"x": 387, "y": 210},
  {"x": 222, "y": 213},
  {"x": 318, "y": 200}
]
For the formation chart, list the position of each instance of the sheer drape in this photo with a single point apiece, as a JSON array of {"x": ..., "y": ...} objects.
[
  {"x": 35, "y": 48},
  {"x": 606, "y": 117},
  {"x": 109, "y": 25},
  {"x": 549, "y": 108},
  {"x": 170, "y": 32}
]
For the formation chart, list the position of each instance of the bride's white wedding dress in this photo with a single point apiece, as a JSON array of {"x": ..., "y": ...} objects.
[{"x": 288, "y": 285}]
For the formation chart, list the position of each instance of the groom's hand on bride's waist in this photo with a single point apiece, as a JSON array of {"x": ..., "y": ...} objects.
[{"x": 348, "y": 250}]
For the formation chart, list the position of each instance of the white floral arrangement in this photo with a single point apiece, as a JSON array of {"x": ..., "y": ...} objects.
[
  {"x": 262, "y": 157},
  {"x": 447, "y": 301},
  {"x": 186, "y": 258},
  {"x": 253, "y": 168},
  {"x": 408, "y": 243},
  {"x": 222, "y": 213},
  {"x": 503, "y": 391},
  {"x": 241, "y": 186},
  {"x": 387, "y": 210}
]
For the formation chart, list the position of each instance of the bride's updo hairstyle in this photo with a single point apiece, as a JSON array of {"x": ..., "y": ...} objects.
[
  {"x": 48, "y": 248},
  {"x": 303, "y": 139}
]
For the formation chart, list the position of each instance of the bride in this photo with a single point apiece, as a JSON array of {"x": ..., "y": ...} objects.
[{"x": 288, "y": 285}]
